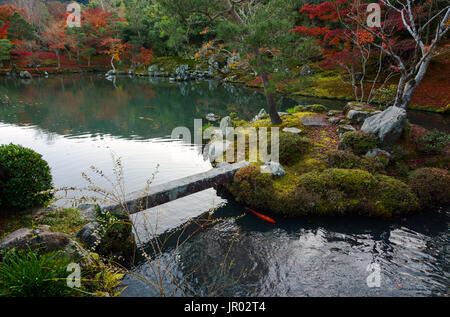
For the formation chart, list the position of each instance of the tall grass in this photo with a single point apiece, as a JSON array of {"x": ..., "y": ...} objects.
[{"x": 26, "y": 273}]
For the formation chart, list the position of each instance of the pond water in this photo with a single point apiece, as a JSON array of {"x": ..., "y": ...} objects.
[{"x": 79, "y": 120}]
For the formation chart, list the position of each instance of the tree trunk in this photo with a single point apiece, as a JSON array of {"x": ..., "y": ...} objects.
[
  {"x": 112, "y": 62},
  {"x": 89, "y": 60},
  {"x": 58, "y": 58},
  {"x": 271, "y": 106},
  {"x": 411, "y": 85},
  {"x": 408, "y": 84}
]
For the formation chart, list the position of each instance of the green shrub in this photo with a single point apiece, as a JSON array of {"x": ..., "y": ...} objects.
[
  {"x": 252, "y": 187},
  {"x": 26, "y": 273},
  {"x": 316, "y": 108},
  {"x": 348, "y": 160},
  {"x": 358, "y": 142},
  {"x": 291, "y": 147},
  {"x": 298, "y": 108},
  {"x": 29, "y": 175},
  {"x": 431, "y": 185},
  {"x": 433, "y": 142},
  {"x": 385, "y": 96},
  {"x": 115, "y": 232}
]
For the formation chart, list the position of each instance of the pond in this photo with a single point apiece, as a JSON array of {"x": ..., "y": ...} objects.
[{"x": 76, "y": 121}]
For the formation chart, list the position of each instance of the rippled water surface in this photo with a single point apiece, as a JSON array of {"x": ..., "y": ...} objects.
[{"x": 78, "y": 121}]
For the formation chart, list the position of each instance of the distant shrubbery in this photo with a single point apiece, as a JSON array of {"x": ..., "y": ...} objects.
[
  {"x": 431, "y": 185},
  {"x": 309, "y": 108},
  {"x": 28, "y": 175},
  {"x": 433, "y": 142}
]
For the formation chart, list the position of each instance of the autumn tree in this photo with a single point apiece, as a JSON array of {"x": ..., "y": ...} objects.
[
  {"x": 403, "y": 43},
  {"x": 114, "y": 48},
  {"x": 426, "y": 26},
  {"x": 56, "y": 39}
]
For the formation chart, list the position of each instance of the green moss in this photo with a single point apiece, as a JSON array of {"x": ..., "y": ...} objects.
[
  {"x": 66, "y": 220},
  {"x": 328, "y": 192},
  {"x": 316, "y": 108},
  {"x": 348, "y": 160},
  {"x": 298, "y": 108},
  {"x": 291, "y": 147},
  {"x": 358, "y": 142}
]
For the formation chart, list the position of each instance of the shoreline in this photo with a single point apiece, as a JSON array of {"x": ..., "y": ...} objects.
[{"x": 220, "y": 77}]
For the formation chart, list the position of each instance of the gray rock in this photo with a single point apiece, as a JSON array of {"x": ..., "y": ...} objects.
[
  {"x": 88, "y": 211},
  {"x": 292, "y": 130},
  {"x": 153, "y": 68},
  {"x": 334, "y": 120},
  {"x": 314, "y": 122},
  {"x": 357, "y": 116},
  {"x": 381, "y": 155},
  {"x": 358, "y": 106},
  {"x": 273, "y": 168},
  {"x": 261, "y": 115},
  {"x": 41, "y": 238},
  {"x": 306, "y": 71},
  {"x": 25, "y": 74},
  {"x": 332, "y": 113},
  {"x": 88, "y": 235},
  {"x": 224, "y": 124},
  {"x": 387, "y": 125},
  {"x": 344, "y": 128},
  {"x": 215, "y": 149},
  {"x": 222, "y": 164},
  {"x": 212, "y": 117},
  {"x": 283, "y": 114}
]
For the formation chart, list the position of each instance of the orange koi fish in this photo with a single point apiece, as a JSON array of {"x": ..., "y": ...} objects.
[{"x": 263, "y": 217}]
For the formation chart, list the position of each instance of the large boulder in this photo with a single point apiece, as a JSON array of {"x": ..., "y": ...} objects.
[{"x": 387, "y": 125}]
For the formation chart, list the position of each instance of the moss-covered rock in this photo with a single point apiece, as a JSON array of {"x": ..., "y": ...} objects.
[
  {"x": 431, "y": 185},
  {"x": 358, "y": 142},
  {"x": 330, "y": 192},
  {"x": 358, "y": 106}
]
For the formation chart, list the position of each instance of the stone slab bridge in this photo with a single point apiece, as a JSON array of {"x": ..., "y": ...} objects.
[{"x": 163, "y": 193}]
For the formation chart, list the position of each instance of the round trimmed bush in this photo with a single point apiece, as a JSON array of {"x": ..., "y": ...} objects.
[
  {"x": 316, "y": 108},
  {"x": 358, "y": 142},
  {"x": 28, "y": 175},
  {"x": 291, "y": 147},
  {"x": 431, "y": 185}
]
